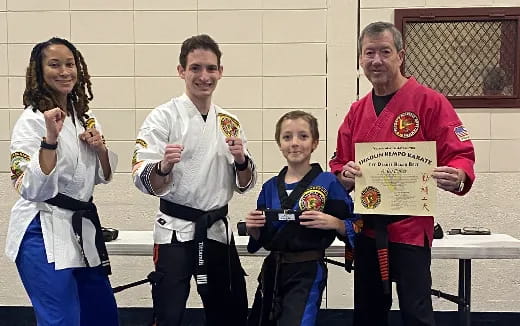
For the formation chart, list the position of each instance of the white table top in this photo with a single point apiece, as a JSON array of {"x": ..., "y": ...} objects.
[{"x": 494, "y": 246}]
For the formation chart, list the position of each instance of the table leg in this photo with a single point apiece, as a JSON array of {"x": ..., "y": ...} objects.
[{"x": 465, "y": 292}]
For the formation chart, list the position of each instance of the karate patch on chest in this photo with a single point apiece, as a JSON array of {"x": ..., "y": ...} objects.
[
  {"x": 229, "y": 125},
  {"x": 462, "y": 133},
  {"x": 313, "y": 199},
  {"x": 406, "y": 125}
]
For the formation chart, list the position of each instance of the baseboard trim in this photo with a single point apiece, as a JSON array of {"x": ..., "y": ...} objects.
[{"x": 141, "y": 316}]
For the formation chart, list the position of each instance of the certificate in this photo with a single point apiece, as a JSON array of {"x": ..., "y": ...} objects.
[{"x": 396, "y": 178}]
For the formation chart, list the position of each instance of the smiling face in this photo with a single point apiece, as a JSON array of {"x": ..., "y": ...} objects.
[
  {"x": 59, "y": 70},
  {"x": 296, "y": 141},
  {"x": 201, "y": 74},
  {"x": 381, "y": 61}
]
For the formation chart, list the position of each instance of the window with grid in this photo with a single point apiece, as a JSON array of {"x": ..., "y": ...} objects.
[{"x": 471, "y": 55}]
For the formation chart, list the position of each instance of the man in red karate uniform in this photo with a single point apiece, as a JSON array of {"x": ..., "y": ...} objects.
[{"x": 398, "y": 109}]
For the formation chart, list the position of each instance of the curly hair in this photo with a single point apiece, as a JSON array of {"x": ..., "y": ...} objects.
[{"x": 40, "y": 96}]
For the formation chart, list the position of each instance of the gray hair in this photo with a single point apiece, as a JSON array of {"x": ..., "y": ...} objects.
[{"x": 377, "y": 28}]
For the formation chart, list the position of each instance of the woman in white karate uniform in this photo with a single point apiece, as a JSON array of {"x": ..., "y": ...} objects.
[{"x": 58, "y": 154}]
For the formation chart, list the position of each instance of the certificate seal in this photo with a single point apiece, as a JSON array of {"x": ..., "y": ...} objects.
[
  {"x": 370, "y": 197},
  {"x": 313, "y": 199},
  {"x": 406, "y": 125},
  {"x": 229, "y": 125}
]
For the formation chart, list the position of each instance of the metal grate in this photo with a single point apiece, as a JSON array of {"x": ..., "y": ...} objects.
[{"x": 463, "y": 58}]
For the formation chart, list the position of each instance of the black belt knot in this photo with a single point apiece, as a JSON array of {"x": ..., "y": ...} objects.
[
  {"x": 88, "y": 210},
  {"x": 203, "y": 221}
]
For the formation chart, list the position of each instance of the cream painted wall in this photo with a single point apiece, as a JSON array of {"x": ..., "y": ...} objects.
[{"x": 278, "y": 55}]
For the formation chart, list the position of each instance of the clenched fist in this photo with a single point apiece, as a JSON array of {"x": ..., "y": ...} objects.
[
  {"x": 54, "y": 123},
  {"x": 172, "y": 155}
]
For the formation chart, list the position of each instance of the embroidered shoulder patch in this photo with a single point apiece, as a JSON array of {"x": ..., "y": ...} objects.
[
  {"x": 90, "y": 123},
  {"x": 462, "y": 133},
  {"x": 313, "y": 199},
  {"x": 16, "y": 159},
  {"x": 141, "y": 142},
  {"x": 136, "y": 166},
  {"x": 406, "y": 125},
  {"x": 229, "y": 126}
]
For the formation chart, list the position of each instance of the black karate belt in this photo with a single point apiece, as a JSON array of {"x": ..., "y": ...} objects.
[
  {"x": 203, "y": 221},
  {"x": 285, "y": 215},
  {"x": 293, "y": 216},
  {"x": 380, "y": 223},
  {"x": 88, "y": 210}
]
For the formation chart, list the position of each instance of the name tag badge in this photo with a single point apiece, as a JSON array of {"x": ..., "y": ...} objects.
[{"x": 286, "y": 217}]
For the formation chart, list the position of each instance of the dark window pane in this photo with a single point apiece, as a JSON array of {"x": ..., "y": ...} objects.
[
  {"x": 470, "y": 55},
  {"x": 462, "y": 58}
]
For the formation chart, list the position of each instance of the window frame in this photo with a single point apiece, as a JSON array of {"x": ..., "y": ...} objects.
[{"x": 418, "y": 15}]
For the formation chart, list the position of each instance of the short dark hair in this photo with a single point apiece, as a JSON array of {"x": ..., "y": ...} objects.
[
  {"x": 377, "y": 28},
  {"x": 297, "y": 114},
  {"x": 201, "y": 41},
  {"x": 38, "y": 94}
]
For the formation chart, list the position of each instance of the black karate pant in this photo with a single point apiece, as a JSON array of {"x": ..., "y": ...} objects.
[
  {"x": 221, "y": 305},
  {"x": 409, "y": 269},
  {"x": 300, "y": 289}
]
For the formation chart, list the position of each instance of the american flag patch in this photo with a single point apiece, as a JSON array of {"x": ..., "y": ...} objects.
[{"x": 462, "y": 133}]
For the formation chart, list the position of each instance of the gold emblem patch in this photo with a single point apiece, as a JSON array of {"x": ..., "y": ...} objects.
[
  {"x": 90, "y": 123},
  {"x": 134, "y": 157},
  {"x": 313, "y": 199},
  {"x": 143, "y": 144},
  {"x": 16, "y": 159},
  {"x": 230, "y": 126},
  {"x": 370, "y": 197},
  {"x": 406, "y": 125}
]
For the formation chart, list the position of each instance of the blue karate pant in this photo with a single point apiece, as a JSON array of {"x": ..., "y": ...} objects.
[{"x": 66, "y": 297}]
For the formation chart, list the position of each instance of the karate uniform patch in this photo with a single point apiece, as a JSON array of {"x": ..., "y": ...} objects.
[
  {"x": 16, "y": 159},
  {"x": 462, "y": 133},
  {"x": 406, "y": 125},
  {"x": 90, "y": 123},
  {"x": 313, "y": 199},
  {"x": 228, "y": 125},
  {"x": 143, "y": 144}
]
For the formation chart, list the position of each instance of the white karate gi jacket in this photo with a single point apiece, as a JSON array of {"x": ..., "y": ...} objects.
[
  {"x": 205, "y": 177},
  {"x": 77, "y": 171}
]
